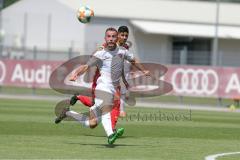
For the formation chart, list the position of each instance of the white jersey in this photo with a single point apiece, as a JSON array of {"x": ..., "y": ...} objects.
[
  {"x": 127, "y": 68},
  {"x": 111, "y": 65}
]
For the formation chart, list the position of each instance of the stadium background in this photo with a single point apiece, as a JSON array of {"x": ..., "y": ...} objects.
[{"x": 198, "y": 39}]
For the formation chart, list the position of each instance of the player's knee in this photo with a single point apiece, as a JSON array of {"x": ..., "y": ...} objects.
[
  {"x": 92, "y": 126},
  {"x": 93, "y": 123}
]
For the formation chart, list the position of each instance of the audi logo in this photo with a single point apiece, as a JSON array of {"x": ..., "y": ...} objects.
[
  {"x": 195, "y": 81},
  {"x": 2, "y": 71}
]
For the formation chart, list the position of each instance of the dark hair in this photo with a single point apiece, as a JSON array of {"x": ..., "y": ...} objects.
[
  {"x": 123, "y": 29},
  {"x": 110, "y": 29}
]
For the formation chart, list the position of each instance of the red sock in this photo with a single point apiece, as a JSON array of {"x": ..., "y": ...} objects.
[
  {"x": 115, "y": 113},
  {"x": 87, "y": 101}
]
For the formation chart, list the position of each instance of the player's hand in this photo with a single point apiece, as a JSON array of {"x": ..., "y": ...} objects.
[
  {"x": 146, "y": 73},
  {"x": 126, "y": 84},
  {"x": 73, "y": 77}
]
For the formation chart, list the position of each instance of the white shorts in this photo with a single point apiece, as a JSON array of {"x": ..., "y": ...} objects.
[{"x": 104, "y": 98}]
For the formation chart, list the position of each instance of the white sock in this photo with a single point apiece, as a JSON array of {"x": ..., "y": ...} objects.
[
  {"x": 122, "y": 102},
  {"x": 107, "y": 123},
  {"x": 81, "y": 118},
  {"x": 105, "y": 118}
]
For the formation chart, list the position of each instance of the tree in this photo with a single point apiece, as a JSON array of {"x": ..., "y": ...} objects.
[{"x": 7, "y": 3}]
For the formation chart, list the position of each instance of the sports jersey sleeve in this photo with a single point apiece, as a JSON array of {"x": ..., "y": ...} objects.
[
  {"x": 95, "y": 60},
  {"x": 128, "y": 56}
]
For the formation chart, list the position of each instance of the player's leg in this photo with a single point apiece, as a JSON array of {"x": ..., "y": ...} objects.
[
  {"x": 116, "y": 109},
  {"x": 122, "y": 105},
  {"x": 60, "y": 110},
  {"x": 112, "y": 135},
  {"x": 88, "y": 119},
  {"x": 123, "y": 98},
  {"x": 94, "y": 117},
  {"x": 114, "y": 118},
  {"x": 115, "y": 113},
  {"x": 107, "y": 98},
  {"x": 105, "y": 119},
  {"x": 101, "y": 110},
  {"x": 62, "y": 115},
  {"x": 79, "y": 117},
  {"x": 86, "y": 100}
]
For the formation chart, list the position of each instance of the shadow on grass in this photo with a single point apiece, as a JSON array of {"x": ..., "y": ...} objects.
[
  {"x": 104, "y": 145},
  {"x": 90, "y": 135}
]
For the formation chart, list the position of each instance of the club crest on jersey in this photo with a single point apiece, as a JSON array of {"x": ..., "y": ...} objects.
[{"x": 120, "y": 55}]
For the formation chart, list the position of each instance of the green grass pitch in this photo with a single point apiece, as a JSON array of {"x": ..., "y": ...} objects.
[{"x": 27, "y": 131}]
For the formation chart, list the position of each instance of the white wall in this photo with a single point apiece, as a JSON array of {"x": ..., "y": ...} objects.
[
  {"x": 65, "y": 28},
  {"x": 229, "y": 51},
  {"x": 153, "y": 48},
  {"x": 66, "y": 31},
  {"x": 163, "y": 10}
]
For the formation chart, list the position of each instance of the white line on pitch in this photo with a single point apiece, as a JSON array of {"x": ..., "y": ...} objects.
[{"x": 213, "y": 157}]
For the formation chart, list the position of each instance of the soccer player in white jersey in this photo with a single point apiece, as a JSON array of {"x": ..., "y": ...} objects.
[
  {"x": 123, "y": 33},
  {"x": 119, "y": 104},
  {"x": 110, "y": 61}
]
